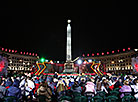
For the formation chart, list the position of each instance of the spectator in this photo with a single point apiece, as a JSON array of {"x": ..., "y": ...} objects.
[
  {"x": 105, "y": 86},
  {"x": 14, "y": 91},
  {"x": 135, "y": 88},
  {"x": 8, "y": 83},
  {"x": 45, "y": 91},
  {"x": 76, "y": 87},
  {"x": 125, "y": 88},
  {"x": 2, "y": 89},
  {"x": 118, "y": 84},
  {"x": 61, "y": 88},
  {"x": 90, "y": 86}
]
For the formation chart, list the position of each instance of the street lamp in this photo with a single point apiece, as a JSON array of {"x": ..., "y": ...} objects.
[
  {"x": 42, "y": 59},
  {"x": 79, "y": 61}
]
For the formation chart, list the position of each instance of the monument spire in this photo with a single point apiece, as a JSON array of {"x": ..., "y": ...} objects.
[
  {"x": 68, "y": 51},
  {"x": 69, "y": 65}
]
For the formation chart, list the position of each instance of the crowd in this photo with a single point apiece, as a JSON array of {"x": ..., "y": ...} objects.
[{"x": 81, "y": 88}]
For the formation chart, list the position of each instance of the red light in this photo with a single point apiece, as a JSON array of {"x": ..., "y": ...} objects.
[
  {"x": 92, "y": 54},
  {"x": 2, "y": 49},
  {"x": 129, "y": 48},
  {"x": 117, "y": 50},
  {"x": 9, "y": 50},
  {"x": 113, "y": 51},
  {"x": 102, "y": 53},
  {"x": 87, "y": 54},
  {"x": 97, "y": 54},
  {"x": 107, "y": 52},
  {"x": 21, "y": 52},
  {"x": 12, "y": 50},
  {"x": 83, "y": 55},
  {"x": 35, "y": 54},
  {"x": 124, "y": 49},
  {"x": 5, "y": 49},
  {"x": 29, "y": 53},
  {"x": 15, "y": 51},
  {"x": 24, "y": 53}
]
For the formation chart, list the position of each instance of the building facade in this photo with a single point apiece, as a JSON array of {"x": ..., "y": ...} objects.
[
  {"x": 19, "y": 61},
  {"x": 116, "y": 62}
]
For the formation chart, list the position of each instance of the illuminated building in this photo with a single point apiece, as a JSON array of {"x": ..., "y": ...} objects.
[
  {"x": 19, "y": 61},
  {"x": 115, "y": 61}
]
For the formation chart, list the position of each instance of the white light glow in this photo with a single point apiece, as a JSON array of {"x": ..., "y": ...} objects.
[
  {"x": 79, "y": 61},
  {"x": 90, "y": 60}
]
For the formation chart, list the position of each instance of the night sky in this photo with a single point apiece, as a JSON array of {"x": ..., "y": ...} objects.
[{"x": 40, "y": 27}]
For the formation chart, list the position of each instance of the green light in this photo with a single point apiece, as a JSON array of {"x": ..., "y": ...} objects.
[{"x": 42, "y": 59}]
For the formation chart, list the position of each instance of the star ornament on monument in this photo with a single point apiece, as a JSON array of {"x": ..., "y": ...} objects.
[{"x": 69, "y": 21}]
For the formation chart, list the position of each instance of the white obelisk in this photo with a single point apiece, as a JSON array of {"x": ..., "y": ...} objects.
[{"x": 68, "y": 54}]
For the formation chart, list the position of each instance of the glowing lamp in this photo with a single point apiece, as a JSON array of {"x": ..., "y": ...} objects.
[
  {"x": 46, "y": 60},
  {"x": 15, "y": 51},
  {"x": 21, "y": 52},
  {"x": 113, "y": 51},
  {"x": 24, "y": 53},
  {"x": 87, "y": 54},
  {"x": 29, "y": 53},
  {"x": 79, "y": 61},
  {"x": 35, "y": 54},
  {"x": 51, "y": 62},
  {"x": 129, "y": 48},
  {"x": 6, "y": 50},
  {"x": 9, "y": 50},
  {"x": 90, "y": 60},
  {"x": 42, "y": 59},
  {"x": 102, "y": 53},
  {"x": 97, "y": 54},
  {"x": 107, "y": 53},
  {"x": 124, "y": 49},
  {"x": 12, "y": 51},
  {"x": 83, "y": 55},
  {"x": 2, "y": 49},
  {"x": 92, "y": 54},
  {"x": 117, "y": 50}
]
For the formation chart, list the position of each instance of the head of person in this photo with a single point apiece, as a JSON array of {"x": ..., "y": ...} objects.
[
  {"x": 1, "y": 82},
  {"x": 120, "y": 80},
  {"x": 126, "y": 82}
]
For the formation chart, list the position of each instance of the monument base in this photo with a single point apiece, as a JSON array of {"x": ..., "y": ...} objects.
[{"x": 68, "y": 67}]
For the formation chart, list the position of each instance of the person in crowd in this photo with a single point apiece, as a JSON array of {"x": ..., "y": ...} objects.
[
  {"x": 76, "y": 87},
  {"x": 90, "y": 87},
  {"x": 61, "y": 88},
  {"x": 45, "y": 91},
  {"x": 105, "y": 86},
  {"x": 14, "y": 91},
  {"x": 135, "y": 88},
  {"x": 82, "y": 82},
  {"x": 30, "y": 85},
  {"x": 118, "y": 84},
  {"x": 56, "y": 75},
  {"x": 36, "y": 85},
  {"x": 125, "y": 88},
  {"x": 98, "y": 83},
  {"x": 71, "y": 82},
  {"x": 8, "y": 83},
  {"x": 2, "y": 90}
]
